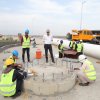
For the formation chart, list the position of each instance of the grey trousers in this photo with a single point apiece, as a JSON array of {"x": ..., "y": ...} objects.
[{"x": 82, "y": 78}]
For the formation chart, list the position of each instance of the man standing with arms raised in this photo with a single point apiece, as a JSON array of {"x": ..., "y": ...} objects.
[{"x": 47, "y": 39}]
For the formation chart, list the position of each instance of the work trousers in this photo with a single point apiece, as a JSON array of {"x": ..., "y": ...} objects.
[
  {"x": 79, "y": 53},
  {"x": 60, "y": 55},
  {"x": 28, "y": 54},
  {"x": 48, "y": 47},
  {"x": 19, "y": 86},
  {"x": 82, "y": 78}
]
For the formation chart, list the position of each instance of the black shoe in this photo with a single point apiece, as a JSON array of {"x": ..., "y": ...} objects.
[
  {"x": 5, "y": 96},
  {"x": 25, "y": 75},
  {"x": 84, "y": 84},
  {"x": 46, "y": 61},
  {"x": 53, "y": 61},
  {"x": 24, "y": 62},
  {"x": 16, "y": 95}
]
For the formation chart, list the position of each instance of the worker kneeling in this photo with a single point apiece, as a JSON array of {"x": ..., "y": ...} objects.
[
  {"x": 14, "y": 57},
  {"x": 11, "y": 83},
  {"x": 87, "y": 73}
]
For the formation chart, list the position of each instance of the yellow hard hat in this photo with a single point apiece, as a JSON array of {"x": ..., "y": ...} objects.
[{"x": 9, "y": 62}]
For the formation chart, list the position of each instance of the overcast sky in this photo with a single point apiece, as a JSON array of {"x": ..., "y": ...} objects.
[{"x": 60, "y": 16}]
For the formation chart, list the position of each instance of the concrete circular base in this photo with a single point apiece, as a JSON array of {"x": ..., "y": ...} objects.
[
  {"x": 49, "y": 88},
  {"x": 51, "y": 79}
]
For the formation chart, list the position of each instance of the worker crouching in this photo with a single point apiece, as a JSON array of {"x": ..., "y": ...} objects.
[
  {"x": 11, "y": 83},
  {"x": 86, "y": 73},
  {"x": 14, "y": 57}
]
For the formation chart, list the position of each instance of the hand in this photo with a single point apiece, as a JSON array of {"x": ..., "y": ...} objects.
[
  {"x": 25, "y": 74},
  {"x": 20, "y": 65}
]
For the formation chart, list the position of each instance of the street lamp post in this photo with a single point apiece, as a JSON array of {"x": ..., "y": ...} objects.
[{"x": 83, "y": 2}]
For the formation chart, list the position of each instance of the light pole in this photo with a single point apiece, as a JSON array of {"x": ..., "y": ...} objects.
[{"x": 83, "y": 2}]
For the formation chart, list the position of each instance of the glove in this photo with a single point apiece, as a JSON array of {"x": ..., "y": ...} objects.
[{"x": 25, "y": 75}]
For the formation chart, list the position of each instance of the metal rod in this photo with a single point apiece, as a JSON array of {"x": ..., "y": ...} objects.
[
  {"x": 34, "y": 77},
  {"x": 43, "y": 77},
  {"x": 27, "y": 64},
  {"x": 72, "y": 68},
  {"x": 70, "y": 64},
  {"x": 56, "y": 61},
  {"x": 62, "y": 75},
  {"x": 32, "y": 63},
  {"x": 53, "y": 76},
  {"x": 68, "y": 71}
]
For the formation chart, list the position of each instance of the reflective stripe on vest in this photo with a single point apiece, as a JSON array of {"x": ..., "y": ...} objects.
[
  {"x": 26, "y": 42},
  {"x": 7, "y": 87},
  {"x": 7, "y": 93},
  {"x": 61, "y": 47},
  {"x": 79, "y": 47},
  {"x": 74, "y": 46},
  {"x": 71, "y": 44},
  {"x": 91, "y": 73}
]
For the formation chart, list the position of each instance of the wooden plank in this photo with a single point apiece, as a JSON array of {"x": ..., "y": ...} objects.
[{"x": 70, "y": 52}]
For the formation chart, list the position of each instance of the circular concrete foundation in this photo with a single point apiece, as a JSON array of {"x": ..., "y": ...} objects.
[{"x": 51, "y": 79}]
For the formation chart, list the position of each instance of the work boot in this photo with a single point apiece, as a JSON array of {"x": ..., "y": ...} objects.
[
  {"x": 25, "y": 75},
  {"x": 46, "y": 61},
  {"x": 53, "y": 61},
  {"x": 84, "y": 84},
  {"x": 16, "y": 95}
]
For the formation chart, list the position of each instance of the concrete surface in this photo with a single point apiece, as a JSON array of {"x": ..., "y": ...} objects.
[{"x": 91, "y": 92}]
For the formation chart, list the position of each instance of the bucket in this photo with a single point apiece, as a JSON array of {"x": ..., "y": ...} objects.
[{"x": 38, "y": 54}]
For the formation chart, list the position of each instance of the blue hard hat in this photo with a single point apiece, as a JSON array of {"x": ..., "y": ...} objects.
[
  {"x": 61, "y": 41},
  {"x": 15, "y": 53},
  {"x": 77, "y": 42},
  {"x": 27, "y": 31}
]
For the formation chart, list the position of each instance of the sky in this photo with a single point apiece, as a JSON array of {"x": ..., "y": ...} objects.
[{"x": 59, "y": 16}]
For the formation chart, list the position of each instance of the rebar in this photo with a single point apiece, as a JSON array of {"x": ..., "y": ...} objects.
[
  {"x": 62, "y": 74},
  {"x": 43, "y": 77},
  {"x": 53, "y": 76}
]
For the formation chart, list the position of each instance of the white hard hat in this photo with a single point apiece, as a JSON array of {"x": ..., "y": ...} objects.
[
  {"x": 48, "y": 31},
  {"x": 81, "y": 40},
  {"x": 56, "y": 56},
  {"x": 82, "y": 58}
]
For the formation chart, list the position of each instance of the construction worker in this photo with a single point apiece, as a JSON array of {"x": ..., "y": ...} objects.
[
  {"x": 26, "y": 46},
  {"x": 34, "y": 43},
  {"x": 47, "y": 39},
  {"x": 20, "y": 36},
  {"x": 81, "y": 41},
  {"x": 74, "y": 45},
  {"x": 61, "y": 47},
  {"x": 11, "y": 82},
  {"x": 71, "y": 44},
  {"x": 86, "y": 73},
  {"x": 79, "y": 48},
  {"x": 14, "y": 57}
]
